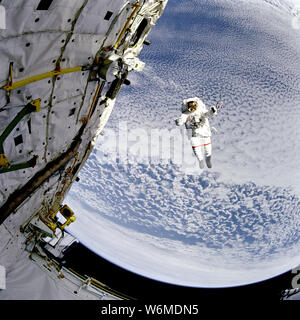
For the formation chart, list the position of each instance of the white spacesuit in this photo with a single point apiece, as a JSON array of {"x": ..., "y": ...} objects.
[{"x": 195, "y": 116}]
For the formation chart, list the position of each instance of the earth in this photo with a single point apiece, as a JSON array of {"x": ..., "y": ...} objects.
[{"x": 143, "y": 203}]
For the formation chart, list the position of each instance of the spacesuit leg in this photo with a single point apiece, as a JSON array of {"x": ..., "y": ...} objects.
[
  {"x": 207, "y": 151},
  {"x": 196, "y": 145}
]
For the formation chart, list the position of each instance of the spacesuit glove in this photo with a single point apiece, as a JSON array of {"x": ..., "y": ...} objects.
[{"x": 218, "y": 105}]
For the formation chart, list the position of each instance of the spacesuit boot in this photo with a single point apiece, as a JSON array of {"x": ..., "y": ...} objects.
[
  {"x": 199, "y": 156},
  {"x": 208, "y": 162},
  {"x": 201, "y": 164}
]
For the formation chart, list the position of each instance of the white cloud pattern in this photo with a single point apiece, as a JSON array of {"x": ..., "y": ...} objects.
[{"x": 239, "y": 222}]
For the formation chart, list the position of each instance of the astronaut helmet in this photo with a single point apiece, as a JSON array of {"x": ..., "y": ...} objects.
[{"x": 192, "y": 106}]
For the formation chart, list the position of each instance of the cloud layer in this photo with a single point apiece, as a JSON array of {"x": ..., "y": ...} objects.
[{"x": 238, "y": 223}]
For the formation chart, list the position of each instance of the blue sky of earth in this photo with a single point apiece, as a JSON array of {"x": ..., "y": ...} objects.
[{"x": 161, "y": 216}]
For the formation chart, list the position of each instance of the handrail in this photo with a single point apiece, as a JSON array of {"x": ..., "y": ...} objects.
[
  {"x": 136, "y": 7},
  {"x": 42, "y": 76}
]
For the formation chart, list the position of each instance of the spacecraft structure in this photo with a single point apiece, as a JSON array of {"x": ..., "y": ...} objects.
[{"x": 63, "y": 63}]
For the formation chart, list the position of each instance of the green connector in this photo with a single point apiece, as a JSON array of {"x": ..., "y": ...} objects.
[
  {"x": 24, "y": 165},
  {"x": 5, "y": 166}
]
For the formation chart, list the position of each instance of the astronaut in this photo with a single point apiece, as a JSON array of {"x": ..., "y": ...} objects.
[{"x": 195, "y": 116}]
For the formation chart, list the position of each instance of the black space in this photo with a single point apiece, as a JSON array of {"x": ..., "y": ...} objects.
[{"x": 143, "y": 289}]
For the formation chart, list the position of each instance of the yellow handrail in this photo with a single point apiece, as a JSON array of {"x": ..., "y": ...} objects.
[
  {"x": 136, "y": 5},
  {"x": 18, "y": 84}
]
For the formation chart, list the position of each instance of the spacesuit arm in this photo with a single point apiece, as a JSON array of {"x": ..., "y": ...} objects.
[
  {"x": 181, "y": 120},
  {"x": 211, "y": 112}
]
